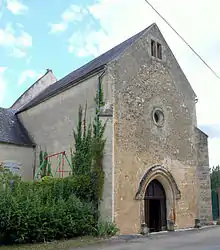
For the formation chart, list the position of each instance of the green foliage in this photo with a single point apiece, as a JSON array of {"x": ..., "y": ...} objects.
[
  {"x": 215, "y": 177},
  {"x": 7, "y": 177},
  {"x": 98, "y": 146},
  {"x": 47, "y": 210},
  {"x": 56, "y": 208},
  {"x": 82, "y": 156},
  {"x": 99, "y": 99},
  {"x": 89, "y": 150},
  {"x": 45, "y": 165},
  {"x": 42, "y": 211},
  {"x": 105, "y": 229},
  {"x": 65, "y": 187},
  {"x": 97, "y": 166}
]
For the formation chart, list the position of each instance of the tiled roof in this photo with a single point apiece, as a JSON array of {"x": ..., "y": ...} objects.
[
  {"x": 11, "y": 129},
  {"x": 93, "y": 66}
]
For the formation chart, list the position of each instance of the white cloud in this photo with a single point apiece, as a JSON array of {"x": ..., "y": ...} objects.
[
  {"x": 191, "y": 23},
  {"x": 27, "y": 74},
  {"x": 2, "y": 84},
  {"x": 16, "y": 7},
  {"x": 2, "y": 7},
  {"x": 130, "y": 18},
  {"x": 120, "y": 19},
  {"x": 16, "y": 43},
  {"x": 19, "y": 25},
  {"x": 15, "y": 52},
  {"x": 57, "y": 27},
  {"x": 114, "y": 28},
  {"x": 72, "y": 14},
  {"x": 93, "y": 43}
]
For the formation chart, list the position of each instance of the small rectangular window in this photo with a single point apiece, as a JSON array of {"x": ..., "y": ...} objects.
[
  {"x": 153, "y": 48},
  {"x": 159, "y": 51}
]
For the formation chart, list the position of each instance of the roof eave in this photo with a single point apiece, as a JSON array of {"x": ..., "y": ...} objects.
[
  {"x": 64, "y": 88},
  {"x": 18, "y": 144}
]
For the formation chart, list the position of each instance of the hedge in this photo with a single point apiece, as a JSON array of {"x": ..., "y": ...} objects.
[{"x": 43, "y": 211}]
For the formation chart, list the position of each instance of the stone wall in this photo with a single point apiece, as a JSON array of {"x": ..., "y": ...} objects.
[
  {"x": 142, "y": 84},
  {"x": 204, "y": 183},
  {"x": 23, "y": 156},
  {"x": 51, "y": 124},
  {"x": 39, "y": 86},
  {"x": 106, "y": 207}
]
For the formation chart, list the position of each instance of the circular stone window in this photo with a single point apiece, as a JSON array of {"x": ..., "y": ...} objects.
[{"x": 158, "y": 117}]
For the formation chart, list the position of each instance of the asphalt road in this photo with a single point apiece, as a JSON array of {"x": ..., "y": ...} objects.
[{"x": 203, "y": 239}]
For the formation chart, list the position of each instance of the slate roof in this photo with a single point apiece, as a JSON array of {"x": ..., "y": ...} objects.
[
  {"x": 11, "y": 129},
  {"x": 92, "y": 67}
]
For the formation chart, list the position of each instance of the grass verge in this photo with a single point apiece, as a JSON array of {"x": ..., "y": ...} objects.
[{"x": 61, "y": 245}]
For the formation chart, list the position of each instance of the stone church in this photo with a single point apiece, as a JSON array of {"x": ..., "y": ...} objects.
[{"x": 156, "y": 158}]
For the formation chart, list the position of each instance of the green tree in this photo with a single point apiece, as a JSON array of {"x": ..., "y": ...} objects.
[
  {"x": 215, "y": 177},
  {"x": 87, "y": 158},
  {"x": 45, "y": 165}
]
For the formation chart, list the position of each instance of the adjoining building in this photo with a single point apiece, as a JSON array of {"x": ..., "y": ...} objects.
[{"x": 156, "y": 158}]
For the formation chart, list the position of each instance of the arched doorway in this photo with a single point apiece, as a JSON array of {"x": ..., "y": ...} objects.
[
  {"x": 155, "y": 207},
  {"x": 161, "y": 175}
]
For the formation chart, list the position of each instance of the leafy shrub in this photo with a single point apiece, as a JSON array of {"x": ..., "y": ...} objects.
[
  {"x": 55, "y": 208},
  {"x": 105, "y": 229},
  {"x": 64, "y": 187},
  {"x": 42, "y": 211},
  {"x": 47, "y": 210}
]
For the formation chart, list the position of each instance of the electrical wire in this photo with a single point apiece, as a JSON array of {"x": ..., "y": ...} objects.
[{"x": 206, "y": 64}]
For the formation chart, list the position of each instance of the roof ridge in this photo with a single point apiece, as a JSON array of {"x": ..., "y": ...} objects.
[
  {"x": 85, "y": 70},
  {"x": 47, "y": 72}
]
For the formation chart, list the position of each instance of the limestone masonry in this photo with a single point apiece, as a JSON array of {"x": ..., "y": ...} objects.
[{"x": 156, "y": 159}]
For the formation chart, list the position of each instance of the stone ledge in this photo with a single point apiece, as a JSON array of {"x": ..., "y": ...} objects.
[
  {"x": 106, "y": 114},
  {"x": 107, "y": 110}
]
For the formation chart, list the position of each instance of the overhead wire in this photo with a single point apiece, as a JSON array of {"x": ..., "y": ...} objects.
[{"x": 193, "y": 50}]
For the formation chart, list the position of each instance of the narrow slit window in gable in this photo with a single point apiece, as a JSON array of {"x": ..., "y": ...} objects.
[
  {"x": 159, "y": 51},
  {"x": 153, "y": 48}
]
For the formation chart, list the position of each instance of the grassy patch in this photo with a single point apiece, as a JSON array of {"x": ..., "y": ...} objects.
[{"x": 61, "y": 245}]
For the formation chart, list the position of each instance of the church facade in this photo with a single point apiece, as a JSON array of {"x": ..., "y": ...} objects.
[{"x": 156, "y": 158}]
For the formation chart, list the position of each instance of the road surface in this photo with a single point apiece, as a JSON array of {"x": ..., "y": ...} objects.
[{"x": 203, "y": 239}]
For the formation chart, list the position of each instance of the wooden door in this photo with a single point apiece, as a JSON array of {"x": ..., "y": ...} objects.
[{"x": 155, "y": 206}]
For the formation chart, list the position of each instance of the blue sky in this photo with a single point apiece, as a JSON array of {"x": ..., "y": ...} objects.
[
  {"x": 64, "y": 34},
  {"x": 41, "y": 45}
]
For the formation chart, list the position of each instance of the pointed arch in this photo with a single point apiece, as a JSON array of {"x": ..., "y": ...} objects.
[{"x": 160, "y": 173}]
